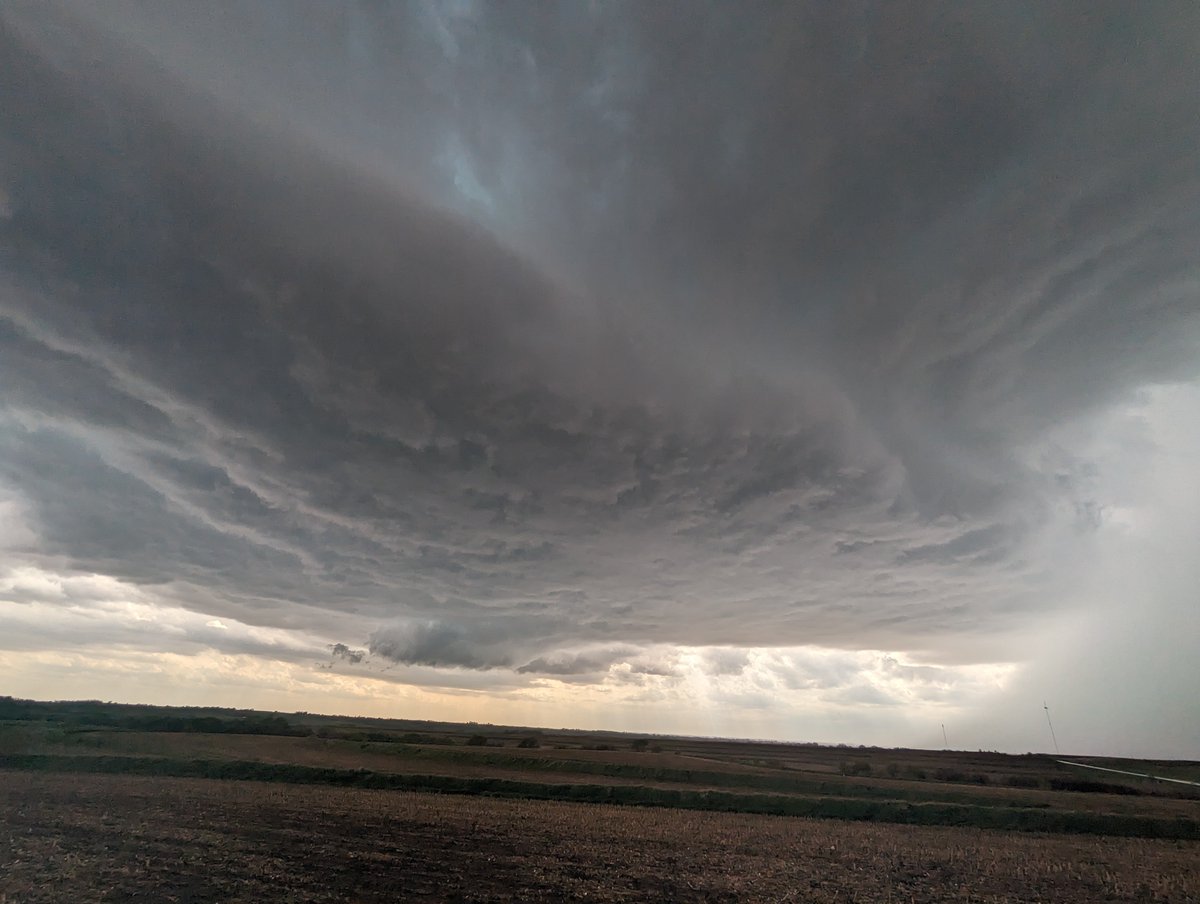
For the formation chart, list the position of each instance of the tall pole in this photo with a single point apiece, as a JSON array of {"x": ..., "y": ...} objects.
[
  {"x": 945, "y": 741},
  {"x": 1046, "y": 707}
]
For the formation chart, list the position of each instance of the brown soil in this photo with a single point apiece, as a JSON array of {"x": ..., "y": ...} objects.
[
  {"x": 99, "y": 838},
  {"x": 338, "y": 754}
]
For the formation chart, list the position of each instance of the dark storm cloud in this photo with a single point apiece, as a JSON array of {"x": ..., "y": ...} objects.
[
  {"x": 476, "y": 645},
  {"x": 341, "y": 651},
  {"x": 504, "y": 336},
  {"x": 593, "y": 662},
  {"x": 970, "y": 545}
]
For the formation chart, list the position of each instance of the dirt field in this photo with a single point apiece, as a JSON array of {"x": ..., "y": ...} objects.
[
  {"x": 550, "y": 764},
  {"x": 83, "y": 838}
]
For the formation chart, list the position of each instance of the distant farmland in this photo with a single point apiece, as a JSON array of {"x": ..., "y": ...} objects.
[{"x": 187, "y": 805}]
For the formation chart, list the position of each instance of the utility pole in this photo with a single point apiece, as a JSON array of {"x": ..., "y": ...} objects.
[
  {"x": 945, "y": 741},
  {"x": 1046, "y": 707}
]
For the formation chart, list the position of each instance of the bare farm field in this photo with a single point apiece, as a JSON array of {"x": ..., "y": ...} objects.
[
  {"x": 81, "y": 838},
  {"x": 107, "y": 803}
]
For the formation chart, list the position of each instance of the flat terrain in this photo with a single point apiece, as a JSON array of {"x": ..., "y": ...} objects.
[
  {"x": 85, "y": 838},
  {"x": 984, "y": 790},
  {"x": 105, "y": 802}
]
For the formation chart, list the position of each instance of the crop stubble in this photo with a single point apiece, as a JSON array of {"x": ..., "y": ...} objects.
[{"x": 115, "y": 838}]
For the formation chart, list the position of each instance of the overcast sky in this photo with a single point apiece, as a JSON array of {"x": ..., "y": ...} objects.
[{"x": 809, "y": 371}]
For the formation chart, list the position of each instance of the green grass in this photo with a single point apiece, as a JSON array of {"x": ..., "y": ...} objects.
[{"x": 892, "y": 811}]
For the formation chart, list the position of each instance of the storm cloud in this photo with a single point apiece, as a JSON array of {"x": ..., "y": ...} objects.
[{"x": 543, "y": 339}]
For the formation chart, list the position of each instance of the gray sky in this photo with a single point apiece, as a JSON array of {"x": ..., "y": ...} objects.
[{"x": 820, "y": 371}]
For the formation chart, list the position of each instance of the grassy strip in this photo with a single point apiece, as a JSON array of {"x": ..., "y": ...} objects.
[
  {"x": 787, "y": 784},
  {"x": 828, "y": 808}
]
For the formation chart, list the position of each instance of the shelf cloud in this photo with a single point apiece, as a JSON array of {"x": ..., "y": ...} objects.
[{"x": 574, "y": 346}]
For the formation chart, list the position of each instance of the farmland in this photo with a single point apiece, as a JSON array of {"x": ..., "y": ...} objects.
[
  {"x": 100, "y": 802},
  {"x": 114, "y": 838}
]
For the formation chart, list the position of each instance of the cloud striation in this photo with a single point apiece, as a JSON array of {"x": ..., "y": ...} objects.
[{"x": 550, "y": 341}]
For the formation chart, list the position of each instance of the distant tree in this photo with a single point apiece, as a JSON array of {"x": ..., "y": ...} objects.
[
  {"x": 640, "y": 745},
  {"x": 529, "y": 742},
  {"x": 477, "y": 740}
]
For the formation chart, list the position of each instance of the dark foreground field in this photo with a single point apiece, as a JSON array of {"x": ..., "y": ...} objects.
[
  {"x": 80, "y": 838},
  {"x": 102, "y": 802}
]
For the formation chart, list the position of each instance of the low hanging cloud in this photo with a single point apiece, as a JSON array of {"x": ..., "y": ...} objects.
[
  {"x": 590, "y": 662},
  {"x": 343, "y": 652},
  {"x": 441, "y": 643},
  {"x": 547, "y": 340}
]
